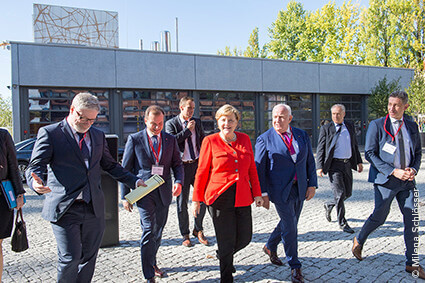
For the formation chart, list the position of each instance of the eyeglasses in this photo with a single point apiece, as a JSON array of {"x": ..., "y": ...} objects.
[{"x": 84, "y": 119}]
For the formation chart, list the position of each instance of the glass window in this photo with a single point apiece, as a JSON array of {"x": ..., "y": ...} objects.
[
  {"x": 51, "y": 105},
  {"x": 301, "y": 107}
]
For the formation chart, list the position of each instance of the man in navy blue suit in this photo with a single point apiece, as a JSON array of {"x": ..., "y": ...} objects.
[
  {"x": 148, "y": 152},
  {"x": 287, "y": 174},
  {"x": 393, "y": 148},
  {"x": 66, "y": 167}
]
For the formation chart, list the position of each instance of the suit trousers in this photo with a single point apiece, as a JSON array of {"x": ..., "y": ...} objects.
[
  {"x": 403, "y": 191},
  {"x": 233, "y": 230},
  {"x": 341, "y": 178},
  {"x": 287, "y": 230},
  {"x": 183, "y": 199},
  {"x": 153, "y": 217},
  {"x": 78, "y": 236}
]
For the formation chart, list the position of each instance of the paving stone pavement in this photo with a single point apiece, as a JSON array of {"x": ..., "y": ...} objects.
[{"x": 325, "y": 251}]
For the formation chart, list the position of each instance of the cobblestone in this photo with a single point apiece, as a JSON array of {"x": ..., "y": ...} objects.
[{"x": 324, "y": 249}]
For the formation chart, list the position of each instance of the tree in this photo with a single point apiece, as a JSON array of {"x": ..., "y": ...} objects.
[
  {"x": 378, "y": 99},
  {"x": 253, "y": 50},
  {"x": 6, "y": 113},
  {"x": 228, "y": 52},
  {"x": 416, "y": 92},
  {"x": 286, "y": 31}
]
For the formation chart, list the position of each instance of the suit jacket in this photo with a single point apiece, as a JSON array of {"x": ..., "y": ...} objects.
[
  {"x": 8, "y": 163},
  {"x": 58, "y": 161},
  {"x": 276, "y": 168},
  {"x": 138, "y": 159},
  {"x": 176, "y": 128},
  {"x": 325, "y": 147},
  {"x": 221, "y": 165},
  {"x": 382, "y": 162}
]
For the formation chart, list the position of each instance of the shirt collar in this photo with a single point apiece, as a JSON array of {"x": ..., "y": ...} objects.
[
  {"x": 151, "y": 134},
  {"x": 393, "y": 120}
]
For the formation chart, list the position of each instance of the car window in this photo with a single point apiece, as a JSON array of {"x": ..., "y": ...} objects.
[{"x": 28, "y": 147}]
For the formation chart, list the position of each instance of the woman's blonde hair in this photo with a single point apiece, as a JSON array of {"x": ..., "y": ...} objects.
[{"x": 227, "y": 109}]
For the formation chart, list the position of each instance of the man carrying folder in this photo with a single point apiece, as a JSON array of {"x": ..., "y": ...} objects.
[{"x": 149, "y": 152}]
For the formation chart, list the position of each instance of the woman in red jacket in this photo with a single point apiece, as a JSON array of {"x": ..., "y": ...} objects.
[{"x": 227, "y": 181}]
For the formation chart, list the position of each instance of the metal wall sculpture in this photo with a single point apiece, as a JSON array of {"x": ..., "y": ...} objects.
[{"x": 57, "y": 24}]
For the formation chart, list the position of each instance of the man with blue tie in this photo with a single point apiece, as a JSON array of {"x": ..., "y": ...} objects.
[
  {"x": 338, "y": 154},
  {"x": 66, "y": 166},
  {"x": 148, "y": 152},
  {"x": 393, "y": 148},
  {"x": 287, "y": 174},
  {"x": 189, "y": 134}
]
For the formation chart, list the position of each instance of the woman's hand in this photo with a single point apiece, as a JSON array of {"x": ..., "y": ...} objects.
[
  {"x": 258, "y": 201},
  {"x": 20, "y": 201},
  {"x": 196, "y": 208}
]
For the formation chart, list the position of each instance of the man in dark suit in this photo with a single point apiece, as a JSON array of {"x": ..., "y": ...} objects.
[
  {"x": 148, "y": 152},
  {"x": 189, "y": 134},
  {"x": 338, "y": 153},
  {"x": 393, "y": 148},
  {"x": 287, "y": 174},
  {"x": 66, "y": 167}
]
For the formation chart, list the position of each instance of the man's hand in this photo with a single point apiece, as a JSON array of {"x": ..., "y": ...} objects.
[
  {"x": 127, "y": 206},
  {"x": 359, "y": 168},
  {"x": 311, "y": 191},
  {"x": 191, "y": 125},
  {"x": 140, "y": 183},
  {"x": 177, "y": 189},
  {"x": 266, "y": 202},
  {"x": 38, "y": 185},
  {"x": 319, "y": 172},
  {"x": 196, "y": 208},
  {"x": 258, "y": 201},
  {"x": 412, "y": 173},
  {"x": 402, "y": 174},
  {"x": 19, "y": 201}
]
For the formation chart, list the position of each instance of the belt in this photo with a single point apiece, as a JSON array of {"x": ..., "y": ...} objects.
[
  {"x": 342, "y": 160},
  {"x": 190, "y": 161}
]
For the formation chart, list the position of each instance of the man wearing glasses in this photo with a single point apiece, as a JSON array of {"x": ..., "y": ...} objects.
[{"x": 66, "y": 166}]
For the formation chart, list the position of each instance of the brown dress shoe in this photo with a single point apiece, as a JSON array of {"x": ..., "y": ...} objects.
[
  {"x": 158, "y": 272},
  {"x": 186, "y": 241},
  {"x": 273, "y": 256},
  {"x": 357, "y": 249},
  {"x": 201, "y": 237},
  {"x": 297, "y": 276},
  {"x": 417, "y": 271}
]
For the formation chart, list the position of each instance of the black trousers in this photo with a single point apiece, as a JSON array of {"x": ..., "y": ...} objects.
[
  {"x": 233, "y": 230},
  {"x": 341, "y": 178}
]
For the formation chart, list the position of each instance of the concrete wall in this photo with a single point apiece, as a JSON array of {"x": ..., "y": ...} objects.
[{"x": 73, "y": 66}]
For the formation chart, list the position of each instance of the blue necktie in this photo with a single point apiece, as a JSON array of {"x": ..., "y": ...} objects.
[
  {"x": 86, "y": 156},
  {"x": 190, "y": 144},
  {"x": 401, "y": 146},
  {"x": 155, "y": 143}
]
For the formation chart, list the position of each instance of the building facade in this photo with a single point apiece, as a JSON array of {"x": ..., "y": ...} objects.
[{"x": 45, "y": 78}]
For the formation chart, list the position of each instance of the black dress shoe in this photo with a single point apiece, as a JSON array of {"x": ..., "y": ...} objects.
[
  {"x": 297, "y": 276},
  {"x": 347, "y": 229},
  {"x": 273, "y": 256},
  {"x": 328, "y": 210}
]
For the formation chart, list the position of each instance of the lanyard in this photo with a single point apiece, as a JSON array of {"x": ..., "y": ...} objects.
[
  {"x": 155, "y": 154},
  {"x": 399, "y": 128},
  {"x": 80, "y": 143},
  {"x": 288, "y": 145}
]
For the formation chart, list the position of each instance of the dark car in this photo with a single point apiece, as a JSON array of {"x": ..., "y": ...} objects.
[
  {"x": 23, "y": 154},
  {"x": 24, "y": 150}
]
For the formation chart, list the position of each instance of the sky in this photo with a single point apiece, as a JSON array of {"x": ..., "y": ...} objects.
[{"x": 204, "y": 27}]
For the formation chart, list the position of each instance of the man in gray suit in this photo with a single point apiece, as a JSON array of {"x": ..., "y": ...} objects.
[{"x": 66, "y": 167}]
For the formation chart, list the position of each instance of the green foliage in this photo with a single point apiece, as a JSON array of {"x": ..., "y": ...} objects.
[
  {"x": 378, "y": 100},
  {"x": 416, "y": 92},
  {"x": 253, "y": 50},
  {"x": 228, "y": 52},
  {"x": 6, "y": 113}
]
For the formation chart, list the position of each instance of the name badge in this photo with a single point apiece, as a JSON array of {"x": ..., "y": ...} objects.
[
  {"x": 390, "y": 148},
  {"x": 157, "y": 170}
]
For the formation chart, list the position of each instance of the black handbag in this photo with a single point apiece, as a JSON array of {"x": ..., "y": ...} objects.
[{"x": 19, "y": 237}]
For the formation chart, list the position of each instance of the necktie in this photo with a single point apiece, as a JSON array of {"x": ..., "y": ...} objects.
[
  {"x": 86, "y": 156},
  {"x": 291, "y": 148},
  {"x": 190, "y": 144},
  {"x": 401, "y": 146},
  {"x": 155, "y": 142}
]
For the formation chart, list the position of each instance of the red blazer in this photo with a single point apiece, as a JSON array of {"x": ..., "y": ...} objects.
[{"x": 221, "y": 165}]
